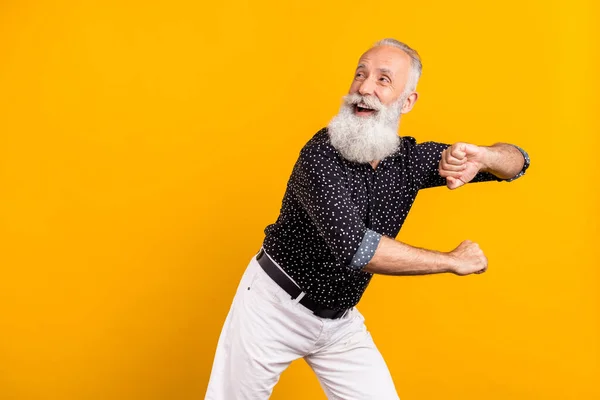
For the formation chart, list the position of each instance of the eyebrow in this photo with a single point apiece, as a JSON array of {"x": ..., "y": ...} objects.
[
  {"x": 386, "y": 71},
  {"x": 381, "y": 70}
]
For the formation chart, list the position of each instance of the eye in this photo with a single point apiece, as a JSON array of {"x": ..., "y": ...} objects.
[
  {"x": 359, "y": 75},
  {"x": 385, "y": 79}
]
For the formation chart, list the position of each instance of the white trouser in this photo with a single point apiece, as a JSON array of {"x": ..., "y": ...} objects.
[{"x": 266, "y": 330}]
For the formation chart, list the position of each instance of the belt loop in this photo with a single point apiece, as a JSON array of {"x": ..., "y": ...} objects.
[{"x": 300, "y": 296}]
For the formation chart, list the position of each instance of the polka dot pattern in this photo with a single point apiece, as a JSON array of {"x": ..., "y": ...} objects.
[{"x": 334, "y": 212}]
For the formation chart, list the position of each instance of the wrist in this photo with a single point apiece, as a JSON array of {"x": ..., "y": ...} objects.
[
  {"x": 447, "y": 263},
  {"x": 484, "y": 161}
]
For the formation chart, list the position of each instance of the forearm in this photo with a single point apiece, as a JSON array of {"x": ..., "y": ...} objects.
[
  {"x": 502, "y": 159},
  {"x": 397, "y": 258}
]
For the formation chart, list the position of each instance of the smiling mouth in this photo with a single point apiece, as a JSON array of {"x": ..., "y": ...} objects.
[{"x": 361, "y": 109}]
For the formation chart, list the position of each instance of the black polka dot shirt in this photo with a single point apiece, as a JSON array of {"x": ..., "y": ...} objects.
[{"x": 334, "y": 213}]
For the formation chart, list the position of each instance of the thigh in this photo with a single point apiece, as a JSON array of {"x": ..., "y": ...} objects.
[
  {"x": 258, "y": 341},
  {"x": 352, "y": 367}
]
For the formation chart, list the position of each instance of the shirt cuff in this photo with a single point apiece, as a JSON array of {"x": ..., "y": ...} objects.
[
  {"x": 525, "y": 165},
  {"x": 366, "y": 250}
]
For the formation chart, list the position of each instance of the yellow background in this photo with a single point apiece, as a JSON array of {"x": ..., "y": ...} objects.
[{"x": 145, "y": 146}]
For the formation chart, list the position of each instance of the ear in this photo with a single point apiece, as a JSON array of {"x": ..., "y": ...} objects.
[{"x": 409, "y": 103}]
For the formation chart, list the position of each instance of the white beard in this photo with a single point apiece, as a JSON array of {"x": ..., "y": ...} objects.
[{"x": 364, "y": 139}]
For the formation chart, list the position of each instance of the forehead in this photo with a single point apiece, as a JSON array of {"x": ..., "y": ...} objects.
[{"x": 386, "y": 57}]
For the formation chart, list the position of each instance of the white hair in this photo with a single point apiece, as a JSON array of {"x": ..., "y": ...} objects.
[{"x": 416, "y": 66}]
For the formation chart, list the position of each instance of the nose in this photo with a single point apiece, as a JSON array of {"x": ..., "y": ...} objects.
[{"x": 367, "y": 87}]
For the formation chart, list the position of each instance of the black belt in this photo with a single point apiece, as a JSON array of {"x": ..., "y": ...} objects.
[{"x": 293, "y": 290}]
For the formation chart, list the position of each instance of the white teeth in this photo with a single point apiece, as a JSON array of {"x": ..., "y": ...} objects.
[{"x": 365, "y": 107}]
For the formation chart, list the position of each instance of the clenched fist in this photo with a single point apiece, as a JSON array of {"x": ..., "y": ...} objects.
[
  {"x": 468, "y": 259},
  {"x": 460, "y": 163}
]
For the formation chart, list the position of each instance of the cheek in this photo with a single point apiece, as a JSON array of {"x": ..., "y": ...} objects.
[{"x": 387, "y": 95}]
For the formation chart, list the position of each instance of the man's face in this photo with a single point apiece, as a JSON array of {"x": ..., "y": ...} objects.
[
  {"x": 382, "y": 72},
  {"x": 366, "y": 127}
]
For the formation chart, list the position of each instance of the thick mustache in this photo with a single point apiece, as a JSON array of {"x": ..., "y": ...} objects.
[{"x": 363, "y": 101}]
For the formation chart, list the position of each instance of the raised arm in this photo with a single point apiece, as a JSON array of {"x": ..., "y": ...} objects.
[
  {"x": 397, "y": 258},
  {"x": 461, "y": 162},
  {"x": 502, "y": 159}
]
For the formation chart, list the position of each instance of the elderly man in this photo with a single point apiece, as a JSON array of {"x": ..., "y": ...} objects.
[{"x": 348, "y": 195}]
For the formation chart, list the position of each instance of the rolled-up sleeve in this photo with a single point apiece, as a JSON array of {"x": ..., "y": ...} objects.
[
  {"x": 366, "y": 250},
  {"x": 525, "y": 164},
  {"x": 318, "y": 184}
]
